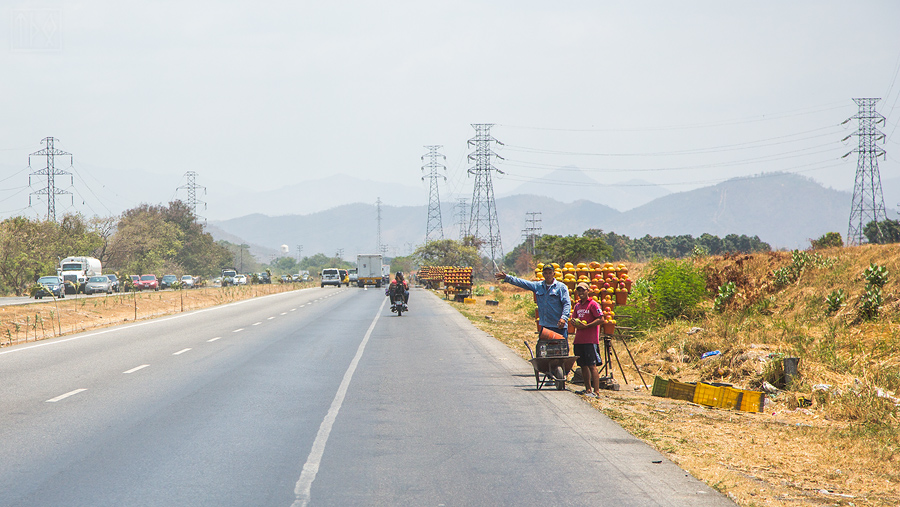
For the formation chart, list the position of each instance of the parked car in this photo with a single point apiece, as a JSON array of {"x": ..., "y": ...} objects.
[
  {"x": 136, "y": 282},
  {"x": 295, "y": 277},
  {"x": 217, "y": 281},
  {"x": 285, "y": 278},
  {"x": 264, "y": 277},
  {"x": 240, "y": 279},
  {"x": 114, "y": 283},
  {"x": 97, "y": 284},
  {"x": 149, "y": 282},
  {"x": 50, "y": 286},
  {"x": 187, "y": 282},
  {"x": 354, "y": 277},
  {"x": 167, "y": 281}
]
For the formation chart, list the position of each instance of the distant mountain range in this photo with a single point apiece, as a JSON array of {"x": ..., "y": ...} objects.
[{"x": 784, "y": 210}]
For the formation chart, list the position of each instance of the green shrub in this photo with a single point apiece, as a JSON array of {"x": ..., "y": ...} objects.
[
  {"x": 726, "y": 293},
  {"x": 870, "y": 302},
  {"x": 876, "y": 276},
  {"x": 835, "y": 301},
  {"x": 829, "y": 239},
  {"x": 677, "y": 288}
]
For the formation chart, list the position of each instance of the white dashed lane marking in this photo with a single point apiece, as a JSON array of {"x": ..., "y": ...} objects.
[
  {"x": 214, "y": 339},
  {"x": 182, "y": 351},
  {"x": 238, "y": 330},
  {"x": 141, "y": 367},
  {"x": 64, "y": 396},
  {"x": 270, "y": 318},
  {"x": 257, "y": 323}
]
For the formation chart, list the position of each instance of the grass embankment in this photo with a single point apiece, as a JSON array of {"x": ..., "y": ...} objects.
[
  {"x": 47, "y": 319},
  {"x": 830, "y": 438}
]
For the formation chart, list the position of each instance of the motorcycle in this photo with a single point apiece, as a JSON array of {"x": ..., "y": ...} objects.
[{"x": 398, "y": 305}]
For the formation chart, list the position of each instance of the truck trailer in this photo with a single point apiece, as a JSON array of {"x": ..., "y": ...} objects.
[{"x": 368, "y": 270}]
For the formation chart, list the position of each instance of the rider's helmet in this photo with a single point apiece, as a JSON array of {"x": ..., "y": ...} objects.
[{"x": 398, "y": 275}]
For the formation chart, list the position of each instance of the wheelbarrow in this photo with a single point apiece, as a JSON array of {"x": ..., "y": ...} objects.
[{"x": 551, "y": 369}]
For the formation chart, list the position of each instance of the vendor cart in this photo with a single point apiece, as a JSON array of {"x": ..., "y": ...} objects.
[{"x": 550, "y": 368}]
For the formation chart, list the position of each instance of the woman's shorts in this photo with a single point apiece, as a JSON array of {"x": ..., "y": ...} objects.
[{"x": 588, "y": 354}]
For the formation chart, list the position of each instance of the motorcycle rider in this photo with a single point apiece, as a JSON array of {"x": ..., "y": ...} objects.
[{"x": 399, "y": 284}]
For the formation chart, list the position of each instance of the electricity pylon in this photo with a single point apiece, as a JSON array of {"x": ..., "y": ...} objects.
[
  {"x": 192, "y": 187},
  {"x": 868, "y": 201},
  {"x": 51, "y": 172},
  {"x": 483, "y": 222},
  {"x": 434, "y": 229}
]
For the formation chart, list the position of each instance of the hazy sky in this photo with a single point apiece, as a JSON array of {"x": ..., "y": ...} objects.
[{"x": 258, "y": 96}]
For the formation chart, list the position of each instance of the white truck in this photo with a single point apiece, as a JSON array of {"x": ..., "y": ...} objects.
[
  {"x": 368, "y": 270},
  {"x": 76, "y": 271}
]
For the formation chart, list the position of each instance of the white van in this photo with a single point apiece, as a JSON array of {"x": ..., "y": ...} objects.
[{"x": 331, "y": 276}]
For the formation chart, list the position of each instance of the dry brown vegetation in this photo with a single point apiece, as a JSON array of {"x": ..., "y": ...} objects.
[
  {"x": 813, "y": 445},
  {"x": 47, "y": 319}
]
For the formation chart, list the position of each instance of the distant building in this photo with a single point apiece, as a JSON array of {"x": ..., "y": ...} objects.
[{"x": 285, "y": 249}]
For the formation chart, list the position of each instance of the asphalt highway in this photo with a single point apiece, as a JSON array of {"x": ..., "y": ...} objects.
[{"x": 311, "y": 397}]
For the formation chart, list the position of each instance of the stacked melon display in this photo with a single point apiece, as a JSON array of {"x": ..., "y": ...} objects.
[{"x": 609, "y": 286}]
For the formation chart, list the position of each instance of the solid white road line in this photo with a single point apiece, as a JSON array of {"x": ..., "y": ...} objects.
[
  {"x": 141, "y": 367},
  {"x": 182, "y": 351},
  {"x": 311, "y": 467},
  {"x": 214, "y": 339},
  {"x": 64, "y": 396}
]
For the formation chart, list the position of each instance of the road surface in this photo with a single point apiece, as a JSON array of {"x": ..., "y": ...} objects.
[{"x": 311, "y": 397}]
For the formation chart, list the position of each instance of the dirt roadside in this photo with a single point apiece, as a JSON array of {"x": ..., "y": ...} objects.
[{"x": 786, "y": 456}]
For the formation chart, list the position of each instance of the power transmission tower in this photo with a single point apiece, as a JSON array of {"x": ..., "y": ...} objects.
[
  {"x": 868, "y": 201},
  {"x": 532, "y": 230},
  {"x": 299, "y": 252},
  {"x": 461, "y": 217},
  {"x": 192, "y": 188},
  {"x": 51, "y": 172},
  {"x": 434, "y": 229},
  {"x": 378, "y": 246},
  {"x": 483, "y": 222}
]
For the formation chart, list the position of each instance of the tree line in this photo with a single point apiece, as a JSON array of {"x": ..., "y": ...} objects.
[{"x": 147, "y": 239}]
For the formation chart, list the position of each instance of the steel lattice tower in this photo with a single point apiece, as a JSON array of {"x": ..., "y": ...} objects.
[
  {"x": 461, "y": 217},
  {"x": 483, "y": 222},
  {"x": 533, "y": 230},
  {"x": 51, "y": 172},
  {"x": 868, "y": 201},
  {"x": 434, "y": 229},
  {"x": 192, "y": 188}
]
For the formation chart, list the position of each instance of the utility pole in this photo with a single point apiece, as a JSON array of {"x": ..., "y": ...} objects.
[
  {"x": 51, "y": 172},
  {"x": 433, "y": 229},
  {"x": 378, "y": 219},
  {"x": 483, "y": 222},
  {"x": 461, "y": 217},
  {"x": 532, "y": 229},
  {"x": 299, "y": 252},
  {"x": 192, "y": 187},
  {"x": 868, "y": 201}
]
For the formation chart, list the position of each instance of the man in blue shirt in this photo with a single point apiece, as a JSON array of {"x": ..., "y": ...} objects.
[{"x": 552, "y": 298}]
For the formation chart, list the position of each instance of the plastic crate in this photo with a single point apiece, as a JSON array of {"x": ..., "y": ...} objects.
[
  {"x": 680, "y": 391},
  {"x": 731, "y": 398},
  {"x": 660, "y": 386},
  {"x": 707, "y": 394},
  {"x": 717, "y": 396},
  {"x": 752, "y": 401}
]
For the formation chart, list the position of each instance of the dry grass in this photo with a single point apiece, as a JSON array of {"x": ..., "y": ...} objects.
[
  {"x": 843, "y": 449},
  {"x": 38, "y": 321}
]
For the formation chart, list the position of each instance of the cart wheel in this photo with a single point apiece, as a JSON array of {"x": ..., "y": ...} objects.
[{"x": 560, "y": 378}]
